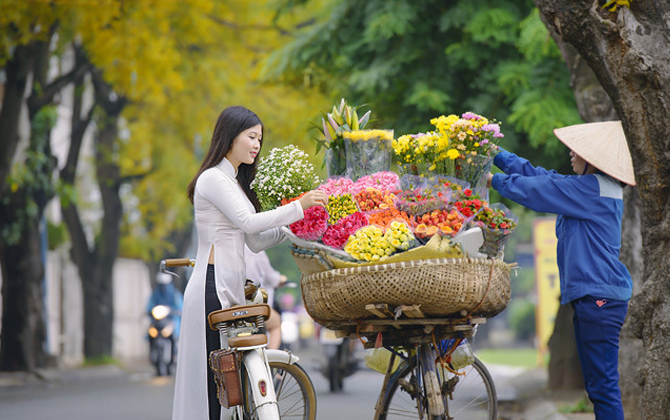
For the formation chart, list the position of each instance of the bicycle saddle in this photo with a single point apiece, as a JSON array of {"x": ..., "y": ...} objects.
[{"x": 238, "y": 312}]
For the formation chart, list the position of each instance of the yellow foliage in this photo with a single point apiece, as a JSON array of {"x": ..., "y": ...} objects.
[{"x": 180, "y": 63}]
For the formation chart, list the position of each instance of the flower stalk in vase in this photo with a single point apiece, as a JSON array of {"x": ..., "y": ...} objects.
[{"x": 341, "y": 119}]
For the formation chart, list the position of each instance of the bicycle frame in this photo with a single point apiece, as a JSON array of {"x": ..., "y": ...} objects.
[
  {"x": 260, "y": 382},
  {"x": 256, "y": 361}
]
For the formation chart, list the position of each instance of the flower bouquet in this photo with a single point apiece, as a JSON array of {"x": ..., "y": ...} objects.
[
  {"x": 497, "y": 223},
  {"x": 422, "y": 200},
  {"x": 383, "y": 218},
  {"x": 474, "y": 138},
  {"x": 283, "y": 173},
  {"x": 469, "y": 203},
  {"x": 369, "y": 244},
  {"x": 374, "y": 199},
  {"x": 337, "y": 235},
  {"x": 413, "y": 182},
  {"x": 367, "y": 151},
  {"x": 444, "y": 222},
  {"x": 313, "y": 225},
  {"x": 399, "y": 235},
  {"x": 337, "y": 185},
  {"x": 385, "y": 181},
  {"x": 340, "y": 206},
  {"x": 341, "y": 119},
  {"x": 419, "y": 154}
]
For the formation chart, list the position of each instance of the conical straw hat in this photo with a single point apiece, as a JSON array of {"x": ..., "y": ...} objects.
[{"x": 603, "y": 145}]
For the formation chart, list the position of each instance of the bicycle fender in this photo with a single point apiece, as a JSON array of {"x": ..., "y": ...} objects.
[
  {"x": 258, "y": 371},
  {"x": 281, "y": 356}
]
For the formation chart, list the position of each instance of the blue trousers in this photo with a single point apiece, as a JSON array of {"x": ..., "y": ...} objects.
[{"x": 598, "y": 324}]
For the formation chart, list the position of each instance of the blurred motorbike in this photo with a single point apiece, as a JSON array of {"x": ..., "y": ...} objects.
[
  {"x": 161, "y": 340},
  {"x": 340, "y": 360}
]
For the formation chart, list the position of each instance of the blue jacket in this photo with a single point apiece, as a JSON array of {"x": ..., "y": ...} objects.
[{"x": 588, "y": 226}]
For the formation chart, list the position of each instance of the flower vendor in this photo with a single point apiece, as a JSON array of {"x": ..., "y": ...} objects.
[
  {"x": 227, "y": 216},
  {"x": 590, "y": 208}
]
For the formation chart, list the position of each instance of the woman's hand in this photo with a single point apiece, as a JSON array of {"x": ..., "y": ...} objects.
[
  {"x": 489, "y": 178},
  {"x": 313, "y": 198}
]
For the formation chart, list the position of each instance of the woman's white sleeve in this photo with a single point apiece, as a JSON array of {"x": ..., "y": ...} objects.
[
  {"x": 228, "y": 197},
  {"x": 258, "y": 242}
]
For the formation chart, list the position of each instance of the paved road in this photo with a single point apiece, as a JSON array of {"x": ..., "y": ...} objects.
[{"x": 108, "y": 393}]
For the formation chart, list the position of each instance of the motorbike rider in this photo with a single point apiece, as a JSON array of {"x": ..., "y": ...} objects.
[{"x": 166, "y": 294}]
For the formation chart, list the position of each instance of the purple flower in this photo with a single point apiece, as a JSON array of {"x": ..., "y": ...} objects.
[
  {"x": 495, "y": 129},
  {"x": 471, "y": 116}
]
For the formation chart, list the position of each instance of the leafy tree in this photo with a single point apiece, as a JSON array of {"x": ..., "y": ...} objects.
[
  {"x": 160, "y": 73},
  {"x": 412, "y": 61}
]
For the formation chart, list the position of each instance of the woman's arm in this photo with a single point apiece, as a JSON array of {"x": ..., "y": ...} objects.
[
  {"x": 512, "y": 164},
  {"x": 258, "y": 242},
  {"x": 228, "y": 197}
]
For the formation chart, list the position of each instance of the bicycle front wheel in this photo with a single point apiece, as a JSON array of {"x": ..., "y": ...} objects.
[
  {"x": 471, "y": 396},
  {"x": 295, "y": 392}
]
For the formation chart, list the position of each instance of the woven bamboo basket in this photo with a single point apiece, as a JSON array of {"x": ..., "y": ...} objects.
[{"x": 442, "y": 287}]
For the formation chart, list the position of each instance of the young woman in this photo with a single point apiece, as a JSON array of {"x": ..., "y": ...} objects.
[
  {"x": 227, "y": 216},
  {"x": 589, "y": 207}
]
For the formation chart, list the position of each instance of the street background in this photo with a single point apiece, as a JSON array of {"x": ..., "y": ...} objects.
[{"x": 132, "y": 392}]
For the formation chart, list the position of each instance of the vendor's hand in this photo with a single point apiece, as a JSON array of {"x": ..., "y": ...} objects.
[
  {"x": 489, "y": 178},
  {"x": 313, "y": 198},
  {"x": 282, "y": 280}
]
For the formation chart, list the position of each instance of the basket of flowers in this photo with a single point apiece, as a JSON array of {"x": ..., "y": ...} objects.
[
  {"x": 394, "y": 238},
  {"x": 441, "y": 287}
]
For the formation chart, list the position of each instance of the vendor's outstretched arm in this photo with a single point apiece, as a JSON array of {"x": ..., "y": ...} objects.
[
  {"x": 574, "y": 196},
  {"x": 510, "y": 163}
]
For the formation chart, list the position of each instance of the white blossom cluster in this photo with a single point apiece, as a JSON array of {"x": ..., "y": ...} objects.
[{"x": 283, "y": 173}]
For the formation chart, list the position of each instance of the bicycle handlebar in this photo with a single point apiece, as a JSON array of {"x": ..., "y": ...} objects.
[{"x": 178, "y": 262}]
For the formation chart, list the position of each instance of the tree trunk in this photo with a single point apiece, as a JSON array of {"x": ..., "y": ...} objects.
[
  {"x": 96, "y": 265},
  {"x": 628, "y": 52},
  {"x": 565, "y": 370},
  {"x": 631, "y": 353},
  {"x": 17, "y": 70},
  {"x": 22, "y": 207},
  {"x": 23, "y": 327}
]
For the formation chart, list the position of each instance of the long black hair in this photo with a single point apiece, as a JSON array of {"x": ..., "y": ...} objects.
[{"x": 232, "y": 121}]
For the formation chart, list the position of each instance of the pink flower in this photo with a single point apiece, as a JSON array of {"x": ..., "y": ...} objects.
[
  {"x": 313, "y": 225},
  {"x": 337, "y": 235},
  {"x": 384, "y": 180},
  {"x": 337, "y": 186}
]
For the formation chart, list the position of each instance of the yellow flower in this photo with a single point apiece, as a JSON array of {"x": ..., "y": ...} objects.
[{"x": 453, "y": 154}]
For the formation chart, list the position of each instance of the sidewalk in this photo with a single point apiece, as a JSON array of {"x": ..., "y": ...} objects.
[
  {"x": 533, "y": 401},
  {"x": 130, "y": 370}
]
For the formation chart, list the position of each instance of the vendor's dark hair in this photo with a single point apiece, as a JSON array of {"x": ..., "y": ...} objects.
[{"x": 231, "y": 122}]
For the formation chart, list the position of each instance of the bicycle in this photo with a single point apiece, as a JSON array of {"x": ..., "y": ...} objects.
[
  {"x": 425, "y": 384},
  {"x": 273, "y": 385}
]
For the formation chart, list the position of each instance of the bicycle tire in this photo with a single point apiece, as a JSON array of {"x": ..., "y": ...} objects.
[
  {"x": 292, "y": 390},
  {"x": 473, "y": 397}
]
